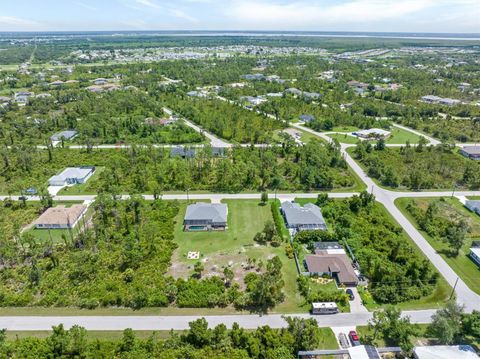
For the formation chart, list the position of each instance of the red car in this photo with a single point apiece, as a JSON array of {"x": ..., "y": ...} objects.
[{"x": 354, "y": 338}]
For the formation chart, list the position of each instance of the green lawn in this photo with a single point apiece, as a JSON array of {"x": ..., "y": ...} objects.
[
  {"x": 462, "y": 264},
  {"x": 344, "y": 129},
  {"x": 400, "y": 136},
  {"x": 245, "y": 219},
  {"x": 344, "y": 138},
  {"x": 437, "y": 299},
  {"x": 84, "y": 188}
]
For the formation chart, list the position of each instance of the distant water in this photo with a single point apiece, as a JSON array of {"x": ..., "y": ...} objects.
[{"x": 341, "y": 34}]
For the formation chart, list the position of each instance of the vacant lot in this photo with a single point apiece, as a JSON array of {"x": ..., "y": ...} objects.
[
  {"x": 439, "y": 167},
  {"x": 233, "y": 248},
  {"x": 450, "y": 209}
]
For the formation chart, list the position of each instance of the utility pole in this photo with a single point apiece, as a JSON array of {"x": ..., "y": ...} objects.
[
  {"x": 453, "y": 290},
  {"x": 453, "y": 191}
]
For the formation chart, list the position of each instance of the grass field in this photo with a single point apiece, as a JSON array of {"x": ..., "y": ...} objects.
[
  {"x": 234, "y": 246},
  {"x": 400, "y": 136},
  {"x": 344, "y": 129},
  {"x": 344, "y": 138},
  {"x": 462, "y": 264},
  {"x": 437, "y": 299}
]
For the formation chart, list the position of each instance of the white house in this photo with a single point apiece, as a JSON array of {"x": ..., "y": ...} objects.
[{"x": 71, "y": 175}]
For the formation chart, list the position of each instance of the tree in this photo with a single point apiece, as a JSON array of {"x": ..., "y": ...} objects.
[
  {"x": 198, "y": 268},
  {"x": 228, "y": 276},
  {"x": 393, "y": 327},
  {"x": 446, "y": 323},
  {"x": 471, "y": 324},
  {"x": 199, "y": 334},
  {"x": 264, "y": 198},
  {"x": 305, "y": 332},
  {"x": 455, "y": 236}
]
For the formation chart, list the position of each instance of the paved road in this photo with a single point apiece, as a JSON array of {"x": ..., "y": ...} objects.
[
  {"x": 181, "y": 322},
  {"x": 465, "y": 295}
]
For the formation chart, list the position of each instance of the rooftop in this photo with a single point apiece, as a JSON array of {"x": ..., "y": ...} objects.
[
  {"x": 338, "y": 264},
  {"x": 471, "y": 150},
  {"x": 445, "y": 352},
  {"x": 61, "y": 215},
  {"x": 216, "y": 212},
  {"x": 308, "y": 215}
]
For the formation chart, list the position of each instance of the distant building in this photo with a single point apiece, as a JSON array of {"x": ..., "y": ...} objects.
[
  {"x": 56, "y": 83},
  {"x": 431, "y": 99},
  {"x": 445, "y": 352},
  {"x": 206, "y": 217},
  {"x": 294, "y": 91},
  {"x": 66, "y": 135},
  {"x": 449, "y": 102},
  {"x": 60, "y": 217},
  {"x": 312, "y": 95},
  {"x": 183, "y": 152},
  {"x": 473, "y": 206},
  {"x": 23, "y": 96},
  {"x": 100, "y": 81},
  {"x": 372, "y": 133},
  {"x": 306, "y": 118},
  {"x": 472, "y": 152},
  {"x": 308, "y": 217},
  {"x": 255, "y": 101},
  {"x": 71, "y": 176},
  {"x": 254, "y": 77}
]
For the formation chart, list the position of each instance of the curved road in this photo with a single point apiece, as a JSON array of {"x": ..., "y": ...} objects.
[{"x": 464, "y": 295}]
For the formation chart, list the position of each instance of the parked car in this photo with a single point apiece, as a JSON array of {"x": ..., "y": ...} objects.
[
  {"x": 351, "y": 296},
  {"x": 354, "y": 338}
]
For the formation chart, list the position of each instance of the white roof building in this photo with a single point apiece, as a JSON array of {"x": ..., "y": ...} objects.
[
  {"x": 372, "y": 133},
  {"x": 445, "y": 352}
]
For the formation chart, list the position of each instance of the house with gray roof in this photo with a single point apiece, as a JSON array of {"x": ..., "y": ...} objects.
[
  {"x": 473, "y": 206},
  {"x": 183, "y": 152},
  {"x": 472, "y": 152},
  {"x": 66, "y": 135},
  {"x": 71, "y": 176},
  {"x": 306, "y": 118},
  {"x": 203, "y": 216},
  {"x": 308, "y": 217}
]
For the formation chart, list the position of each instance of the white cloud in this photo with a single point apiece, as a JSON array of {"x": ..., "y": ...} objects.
[
  {"x": 268, "y": 14},
  {"x": 148, "y": 3},
  {"x": 85, "y": 6},
  {"x": 182, "y": 15},
  {"x": 17, "y": 23}
]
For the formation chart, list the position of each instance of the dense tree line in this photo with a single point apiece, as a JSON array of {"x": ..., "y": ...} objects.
[
  {"x": 316, "y": 166},
  {"x": 396, "y": 272},
  {"x": 419, "y": 167},
  {"x": 199, "y": 341}
]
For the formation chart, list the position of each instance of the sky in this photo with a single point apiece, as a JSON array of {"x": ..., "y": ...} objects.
[{"x": 445, "y": 16}]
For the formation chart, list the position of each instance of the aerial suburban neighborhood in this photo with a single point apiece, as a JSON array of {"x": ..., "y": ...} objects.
[{"x": 238, "y": 194}]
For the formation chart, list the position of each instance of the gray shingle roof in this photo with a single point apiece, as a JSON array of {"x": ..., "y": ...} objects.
[
  {"x": 306, "y": 216},
  {"x": 215, "y": 212},
  {"x": 68, "y": 134},
  {"x": 473, "y": 206}
]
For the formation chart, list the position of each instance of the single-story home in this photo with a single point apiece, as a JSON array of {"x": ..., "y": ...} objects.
[
  {"x": 431, "y": 99},
  {"x": 475, "y": 254},
  {"x": 334, "y": 263},
  {"x": 60, "y": 217},
  {"x": 294, "y": 91},
  {"x": 308, "y": 217},
  {"x": 306, "y": 118},
  {"x": 473, "y": 206},
  {"x": 445, "y": 352},
  {"x": 72, "y": 175},
  {"x": 202, "y": 216},
  {"x": 183, "y": 152},
  {"x": 253, "y": 77},
  {"x": 372, "y": 133},
  {"x": 472, "y": 152},
  {"x": 66, "y": 135}
]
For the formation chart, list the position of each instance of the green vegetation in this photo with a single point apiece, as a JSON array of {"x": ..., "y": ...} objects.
[
  {"x": 396, "y": 270},
  {"x": 316, "y": 166},
  {"x": 197, "y": 342},
  {"x": 418, "y": 167},
  {"x": 437, "y": 219},
  {"x": 401, "y": 136},
  {"x": 236, "y": 249}
]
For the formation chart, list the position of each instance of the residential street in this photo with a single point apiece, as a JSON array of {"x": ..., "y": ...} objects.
[
  {"x": 464, "y": 295},
  {"x": 181, "y": 322}
]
